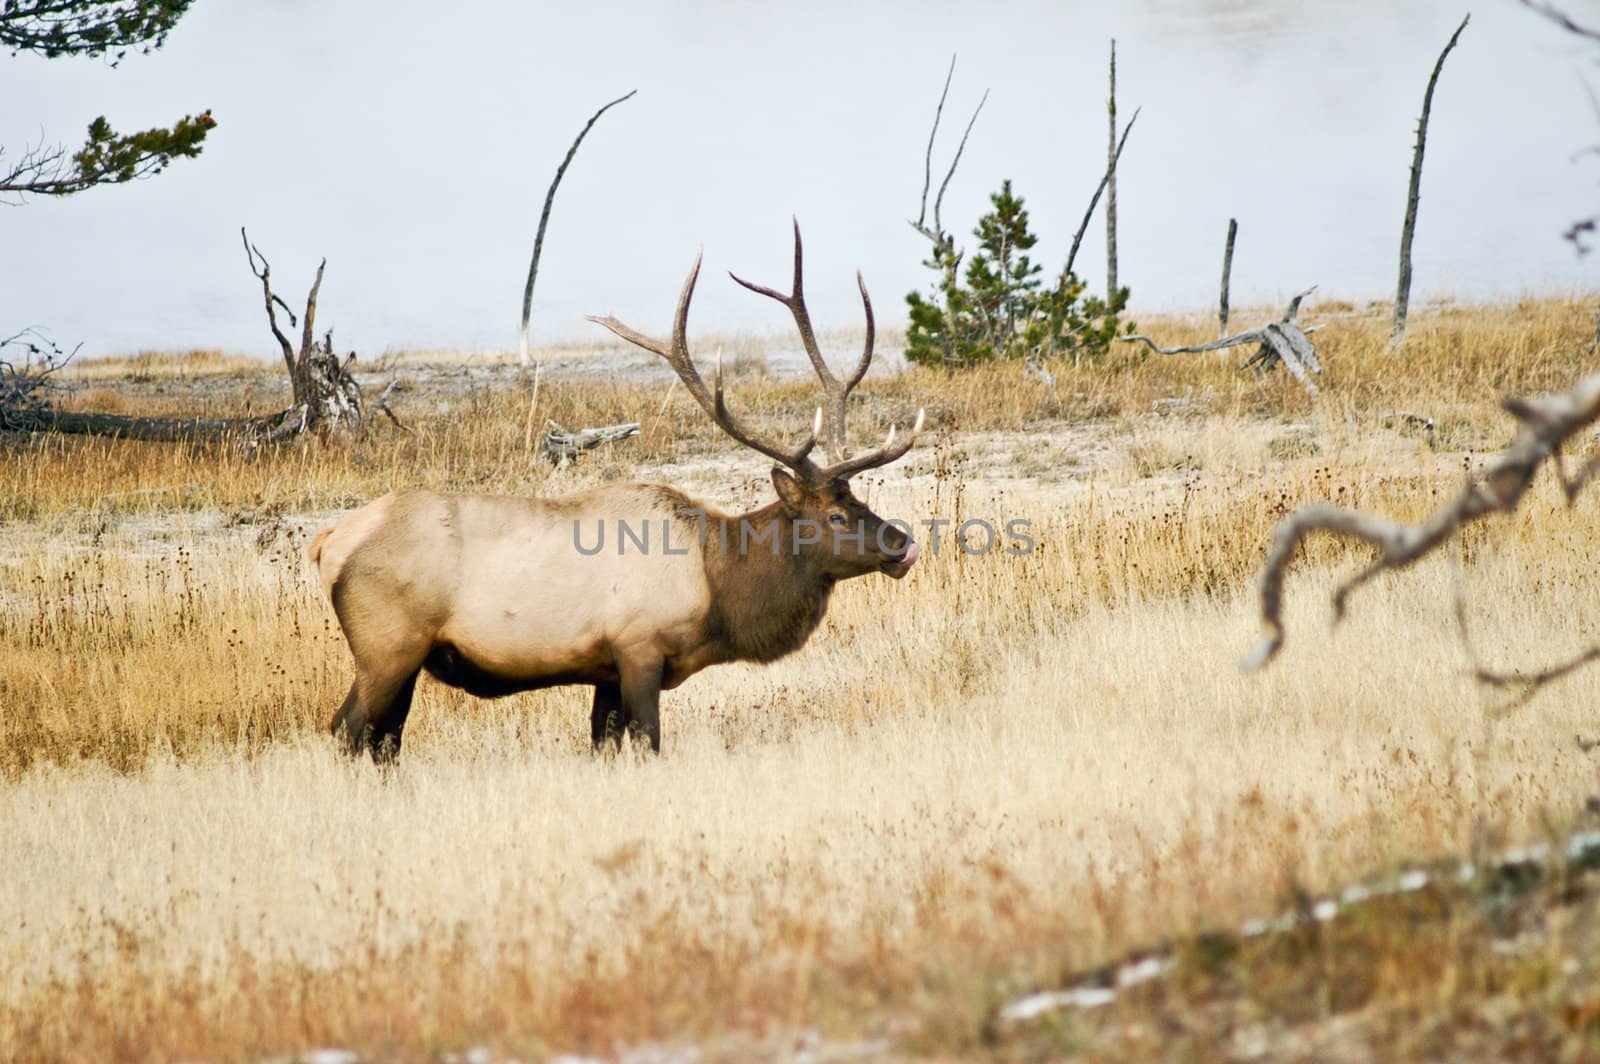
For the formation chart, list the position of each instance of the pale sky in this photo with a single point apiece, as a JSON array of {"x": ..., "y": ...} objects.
[{"x": 412, "y": 142}]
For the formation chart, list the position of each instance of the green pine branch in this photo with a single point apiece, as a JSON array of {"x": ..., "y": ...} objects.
[
  {"x": 106, "y": 158},
  {"x": 92, "y": 28}
]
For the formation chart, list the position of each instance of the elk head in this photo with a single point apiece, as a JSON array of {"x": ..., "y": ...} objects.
[{"x": 830, "y": 528}]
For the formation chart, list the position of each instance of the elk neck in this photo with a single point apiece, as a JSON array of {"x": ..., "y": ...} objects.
[{"x": 765, "y": 602}]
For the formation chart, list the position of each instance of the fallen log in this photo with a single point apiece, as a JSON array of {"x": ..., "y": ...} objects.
[
  {"x": 561, "y": 447},
  {"x": 1282, "y": 342},
  {"x": 249, "y": 430}
]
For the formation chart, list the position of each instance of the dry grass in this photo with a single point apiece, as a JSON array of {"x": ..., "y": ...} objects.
[
  {"x": 1457, "y": 357},
  {"x": 165, "y": 366},
  {"x": 970, "y": 784}
]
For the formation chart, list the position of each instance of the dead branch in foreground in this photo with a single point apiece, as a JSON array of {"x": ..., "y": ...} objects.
[
  {"x": 1547, "y": 423},
  {"x": 1281, "y": 341}
]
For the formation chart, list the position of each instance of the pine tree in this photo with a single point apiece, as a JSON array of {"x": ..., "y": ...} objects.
[
  {"x": 1004, "y": 310},
  {"x": 99, "y": 29}
]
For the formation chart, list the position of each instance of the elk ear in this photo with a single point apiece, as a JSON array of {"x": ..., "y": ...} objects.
[{"x": 790, "y": 492}]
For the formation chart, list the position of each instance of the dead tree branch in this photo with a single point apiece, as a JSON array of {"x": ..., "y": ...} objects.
[
  {"x": 322, "y": 384},
  {"x": 943, "y": 258},
  {"x": 1100, "y": 189},
  {"x": 1523, "y": 686},
  {"x": 1402, "y": 298},
  {"x": 28, "y": 358},
  {"x": 1547, "y": 423},
  {"x": 544, "y": 220},
  {"x": 1112, "y": 151},
  {"x": 1582, "y": 231},
  {"x": 263, "y": 273},
  {"x": 1280, "y": 341},
  {"x": 927, "y": 158},
  {"x": 1562, "y": 19},
  {"x": 936, "y": 234},
  {"x": 1227, "y": 275},
  {"x": 381, "y": 404}
]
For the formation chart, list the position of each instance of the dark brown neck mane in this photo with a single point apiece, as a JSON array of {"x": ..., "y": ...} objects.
[{"x": 765, "y": 603}]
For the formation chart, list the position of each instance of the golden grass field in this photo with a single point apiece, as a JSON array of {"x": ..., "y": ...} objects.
[{"x": 971, "y": 783}]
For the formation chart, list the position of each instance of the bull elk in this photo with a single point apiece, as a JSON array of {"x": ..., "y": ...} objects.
[{"x": 498, "y": 594}]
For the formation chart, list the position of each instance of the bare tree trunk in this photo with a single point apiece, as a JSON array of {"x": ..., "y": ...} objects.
[
  {"x": 1402, "y": 297},
  {"x": 1227, "y": 273},
  {"x": 1099, "y": 190},
  {"x": 1111, "y": 179},
  {"x": 322, "y": 385},
  {"x": 544, "y": 220}
]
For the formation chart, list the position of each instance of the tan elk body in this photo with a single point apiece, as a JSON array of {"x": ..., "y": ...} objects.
[{"x": 628, "y": 588}]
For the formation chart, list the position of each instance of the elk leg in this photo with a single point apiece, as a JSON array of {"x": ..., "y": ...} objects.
[
  {"x": 641, "y": 692},
  {"x": 336, "y": 726},
  {"x": 383, "y": 734},
  {"x": 374, "y": 714},
  {"x": 609, "y": 718}
]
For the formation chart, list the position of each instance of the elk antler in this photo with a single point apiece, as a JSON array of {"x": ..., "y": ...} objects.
[
  {"x": 711, "y": 401},
  {"x": 837, "y": 392}
]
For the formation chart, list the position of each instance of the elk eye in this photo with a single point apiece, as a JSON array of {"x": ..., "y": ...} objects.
[{"x": 836, "y": 519}]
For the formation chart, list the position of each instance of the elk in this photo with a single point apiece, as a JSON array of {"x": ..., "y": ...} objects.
[{"x": 500, "y": 594}]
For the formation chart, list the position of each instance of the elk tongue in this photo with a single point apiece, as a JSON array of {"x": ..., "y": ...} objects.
[{"x": 912, "y": 553}]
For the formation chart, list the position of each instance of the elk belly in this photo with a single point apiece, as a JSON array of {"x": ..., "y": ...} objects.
[{"x": 533, "y": 608}]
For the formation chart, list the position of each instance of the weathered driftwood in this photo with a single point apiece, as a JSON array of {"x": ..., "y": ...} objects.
[
  {"x": 544, "y": 220},
  {"x": 562, "y": 447},
  {"x": 1281, "y": 341},
  {"x": 1227, "y": 275},
  {"x": 1402, "y": 297},
  {"x": 1406, "y": 417},
  {"x": 1547, "y": 423}
]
